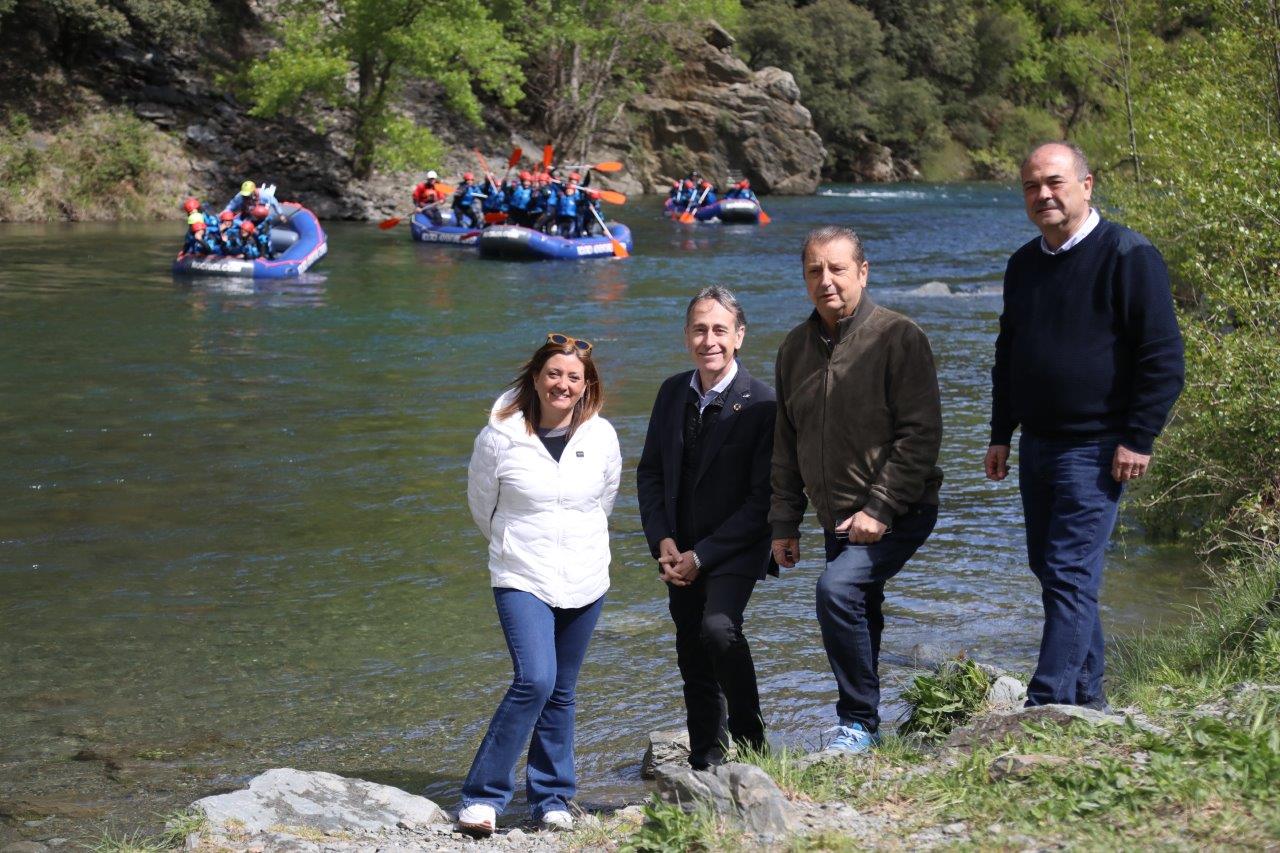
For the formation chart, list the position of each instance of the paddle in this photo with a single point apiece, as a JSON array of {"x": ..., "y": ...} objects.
[
  {"x": 606, "y": 166},
  {"x": 619, "y": 250},
  {"x": 547, "y": 151},
  {"x": 611, "y": 196},
  {"x": 687, "y": 217},
  {"x": 516, "y": 154},
  {"x": 764, "y": 217}
]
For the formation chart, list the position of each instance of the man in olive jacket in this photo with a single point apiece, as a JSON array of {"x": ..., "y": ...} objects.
[{"x": 858, "y": 431}]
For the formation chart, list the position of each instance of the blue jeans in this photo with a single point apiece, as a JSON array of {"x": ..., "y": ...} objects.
[
  {"x": 547, "y": 645},
  {"x": 1069, "y": 499},
  {"x": 850, "y": 601}
]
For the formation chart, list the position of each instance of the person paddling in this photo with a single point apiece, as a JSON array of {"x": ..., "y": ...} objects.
[{"x": 427, "y": 198}]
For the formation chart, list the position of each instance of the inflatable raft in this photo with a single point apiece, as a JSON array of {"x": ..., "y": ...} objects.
[
  {"x": 426, "y": 231},
  {"x": 514, "y": 242},
  {"x": 298, "y": 244},
  {"x": 731, "y": 211}
]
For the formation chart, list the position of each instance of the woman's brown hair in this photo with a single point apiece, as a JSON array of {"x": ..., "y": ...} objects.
[{"x": 526, "y": 398}]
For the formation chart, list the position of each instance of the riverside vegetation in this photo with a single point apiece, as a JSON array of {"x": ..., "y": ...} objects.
[{"x": 896, "y": 89}]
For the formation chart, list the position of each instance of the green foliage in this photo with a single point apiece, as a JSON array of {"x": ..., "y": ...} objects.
[
  {"x": 670, "y": 829},
  {"x": 1207, "y": 115},
  {"x": 108, "y": 165},
  {"x": 584, "y": 59},
  {"x": 69, "y": 26},
  {"x": 385, "y": 44},
  {"x": 939, "y": 702}
]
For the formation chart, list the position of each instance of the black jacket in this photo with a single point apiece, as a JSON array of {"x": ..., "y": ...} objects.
[{"x": 732, "y": 529}]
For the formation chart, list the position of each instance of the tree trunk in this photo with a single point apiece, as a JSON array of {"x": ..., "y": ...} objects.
[
  {"x": 1120, "y": 23},
  {"x": 1274, "y": 8},
  {"x": 362, "y": 130}
]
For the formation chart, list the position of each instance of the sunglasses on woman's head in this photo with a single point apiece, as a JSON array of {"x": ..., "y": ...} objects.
[{"x": 583, "y": 347}]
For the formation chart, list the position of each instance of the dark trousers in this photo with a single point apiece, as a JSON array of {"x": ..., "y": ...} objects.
[
  {"x": 1070, "y": 501},
  {"x": 714, "y": 657},
  {"x": 850, "y": 609}
]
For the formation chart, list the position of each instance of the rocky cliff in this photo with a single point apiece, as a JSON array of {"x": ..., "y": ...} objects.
[{"x": 714, "y": 114}]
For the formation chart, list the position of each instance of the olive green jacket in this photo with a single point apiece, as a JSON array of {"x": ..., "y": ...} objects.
[{"x": 859, "y": 420}]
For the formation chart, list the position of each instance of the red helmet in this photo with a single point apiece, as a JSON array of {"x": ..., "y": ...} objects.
[
  {"x": 226, "y": 216},
  {"x": 467, "y": 176},
  {"x": 688, "y": 184},
  {"x": 260, "y": 211},
  {"x": 574, "y": 176},
  {"x": 191, "y": 205},
  {"x": 526, "y": 176},
  {"x": 705, "y": 183},
  {"x": 197, "y": 225},
  {"x": 246, "y": 227},
  {"x": 744, "y": 184}
]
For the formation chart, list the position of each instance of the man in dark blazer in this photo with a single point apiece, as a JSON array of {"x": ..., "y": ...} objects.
[{"x": 703, "y": 484}]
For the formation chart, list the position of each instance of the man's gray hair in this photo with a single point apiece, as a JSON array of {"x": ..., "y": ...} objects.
[
  {"x": 829, "y": 234},
  {"x": 1077, "y": 154},
  {"x": 725, "y": 297}
]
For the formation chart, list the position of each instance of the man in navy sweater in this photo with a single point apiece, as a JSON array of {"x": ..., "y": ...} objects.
[{"x": 1088, "y": 363}]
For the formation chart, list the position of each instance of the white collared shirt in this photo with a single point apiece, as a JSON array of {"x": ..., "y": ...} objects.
[
  {"x": 1090, "y": 222},
  {"x": 704, "y": 400}
]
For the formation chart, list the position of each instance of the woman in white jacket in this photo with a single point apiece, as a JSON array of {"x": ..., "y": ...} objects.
[{"x": 543, "y": 478}]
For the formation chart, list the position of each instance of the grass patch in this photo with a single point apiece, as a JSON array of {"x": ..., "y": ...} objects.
[
  {"x": 671, "y": 829},
  {"x": 106, "y": 165}
]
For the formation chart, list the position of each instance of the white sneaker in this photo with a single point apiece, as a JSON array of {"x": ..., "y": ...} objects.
[
  {"x": 477, "y": 820},
  {"x": 559, "y": 820}
]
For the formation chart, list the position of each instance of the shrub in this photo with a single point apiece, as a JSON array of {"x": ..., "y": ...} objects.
[{"x": 939, "y": 702}]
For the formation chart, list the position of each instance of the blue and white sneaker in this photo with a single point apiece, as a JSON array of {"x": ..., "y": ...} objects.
[{"x": 853, "y": 739}]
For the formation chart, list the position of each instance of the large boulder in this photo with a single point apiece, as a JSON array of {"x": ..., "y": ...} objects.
[
  {"x": 321, "y": 802},
  {"x": 713, "y": 113},
  {"x": 742, "y": 793}
]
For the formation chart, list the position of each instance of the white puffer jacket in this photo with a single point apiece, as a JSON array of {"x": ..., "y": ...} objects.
[{"x": 546, "y": 522}]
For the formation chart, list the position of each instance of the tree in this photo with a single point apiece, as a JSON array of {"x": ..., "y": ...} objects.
[
  {"x": 584, "y": 59},
  {"x": 71, "y": 26},
  {"x": 358, "y": 54}
]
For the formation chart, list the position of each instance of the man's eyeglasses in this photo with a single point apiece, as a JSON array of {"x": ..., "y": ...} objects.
[{"x": 583, "y": 347}]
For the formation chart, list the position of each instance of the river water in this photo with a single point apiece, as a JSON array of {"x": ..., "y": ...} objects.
[{"x": 233, "y": 532}]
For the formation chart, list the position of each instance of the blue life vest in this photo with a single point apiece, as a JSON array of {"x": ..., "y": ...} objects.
[
  {"x": 567, "y": 204},
  {"x": 465, "y": 195},
  {"x": 520, "y": 197},
  {"x": 495, "y": 197}
]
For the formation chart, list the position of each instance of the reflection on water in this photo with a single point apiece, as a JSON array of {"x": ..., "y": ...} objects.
[{"x": 232, "y": 531}]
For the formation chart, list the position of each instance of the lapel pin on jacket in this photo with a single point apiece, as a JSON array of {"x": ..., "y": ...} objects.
[{"x": 737, "y": 407}]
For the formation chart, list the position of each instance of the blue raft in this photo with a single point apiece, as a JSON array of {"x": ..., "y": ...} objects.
[
  {"x": 515, "y": 242},
  {"x": 298, "y": 244},
  {"x": 424, "y": 230},
  {"x": 731, "y": 211}
]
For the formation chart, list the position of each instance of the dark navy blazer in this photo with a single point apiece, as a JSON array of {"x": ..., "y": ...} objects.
[{"x": 732, "y": 530}]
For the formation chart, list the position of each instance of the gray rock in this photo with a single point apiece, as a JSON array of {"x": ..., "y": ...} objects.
[
  {"x": 515, "y": 836},
  {"x": 1006, "y": 692},
  {"x": 743, "y": 793},
  {"x": 1000, "y": 725},
  {"x": 315, "y": 801},
  {"x": 1022, "y": 766},
  {"x": 24, "y": 847},
  {"x": 665, "y": 747},
  {"x": 926, "y": 656},
  {"x": 931, "y": 288},
  {"x": 202, "y": 135}
]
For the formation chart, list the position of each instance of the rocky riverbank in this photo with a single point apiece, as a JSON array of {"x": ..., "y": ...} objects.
[{"x": 996, "y": 775}]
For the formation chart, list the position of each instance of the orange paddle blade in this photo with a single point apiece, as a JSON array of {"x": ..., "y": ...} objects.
[
  {"x": 547, "y": 150},
  {"x": 516, "y": 154},
  {"x": 619, "y": 250},
  {"x": 686, "y": 217},
  {"x": 388, "y": 224},
  {"x": 444, "y": 188},
  {"x": 764, "y": 217},
  {"x": 608, "y": 166},
  {"x": 613, "y": 197}
]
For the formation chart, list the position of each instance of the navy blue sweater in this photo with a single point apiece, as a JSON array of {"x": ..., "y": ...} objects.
[{"x": 1089, "y": 344}]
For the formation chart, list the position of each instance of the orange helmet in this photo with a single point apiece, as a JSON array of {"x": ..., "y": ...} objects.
[
  {"x": 191, "y": 205},
  {"x": 574, "y": 176},
  {"x": 226, "y": 216},
  {"x": 197, "y": 226},
  {"x": 688, "y": 184},
  {"x": 467, "y": 176},
  {"x": 246, "y": 227}
]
